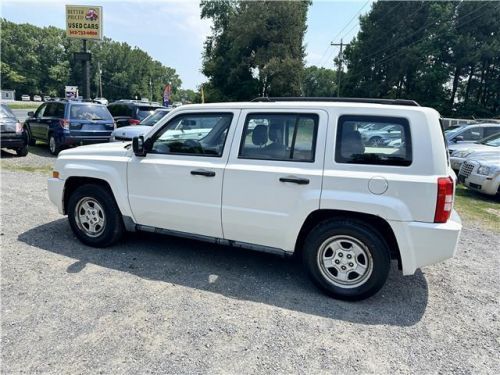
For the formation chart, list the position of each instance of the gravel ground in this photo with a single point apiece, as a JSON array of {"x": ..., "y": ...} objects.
[
  {"x": 157, "y": 304},
  {"x": 38, "y": 157}
]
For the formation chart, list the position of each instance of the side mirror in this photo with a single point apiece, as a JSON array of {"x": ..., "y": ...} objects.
[
  {"x": 458, "y": 138},
  {"x": 138, "y": 146},
  {"x": 31, "y": 114}
]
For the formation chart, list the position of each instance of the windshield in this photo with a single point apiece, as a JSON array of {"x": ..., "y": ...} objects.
[
  {"x": 89, "y": 112},
  {"x": 493, "y": 141},
  {"x": 453, "y": 130},
  {"x": 145, "y": 111},
  {"x": 5, "y": 112},
  {"x": 154, "y": 118}
]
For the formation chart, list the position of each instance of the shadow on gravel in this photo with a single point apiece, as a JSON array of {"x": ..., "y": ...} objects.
[
  {"x": 235, "y": 273},
  {"x": 8, "y": 154},
  {"x": 41, "y": 149}
]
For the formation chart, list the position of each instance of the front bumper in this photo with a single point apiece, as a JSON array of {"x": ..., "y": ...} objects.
[
  {"x": 56, "y": 193},
  {"x": 456, "y": 163},
  {"x": 422, "y": 244},
  {"x": 484, "y": 184},
  {"x": 13, "y": 141}
]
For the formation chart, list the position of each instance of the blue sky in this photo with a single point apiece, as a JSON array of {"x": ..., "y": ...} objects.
[{"x": 172, "y": 32}]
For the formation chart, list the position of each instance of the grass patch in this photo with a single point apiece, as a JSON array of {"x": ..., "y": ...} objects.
[
  {"x": 24, "y": 105},
  {"x": 478, "y": 207},
  {"x": 26, "y": 168}
]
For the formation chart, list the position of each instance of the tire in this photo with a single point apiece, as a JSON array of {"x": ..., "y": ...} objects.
[
  {"x": 351, "y": 244},
  {"x": 23, "y": 151},
  {"x": 54, "y": 148},
  {"x": 31, "y": 140},
  {"x": 94, "y": 216},
  {"x": 375, "y": 141}
]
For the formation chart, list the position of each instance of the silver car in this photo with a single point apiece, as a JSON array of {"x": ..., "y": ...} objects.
[
  {"x": 127, "y": 133},
  {"x": 462, "y": 152},
  {"x": 481, "y": 173}
]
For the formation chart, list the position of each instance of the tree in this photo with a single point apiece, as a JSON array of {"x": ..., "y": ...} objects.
[
  {"x": 319, "y": 82},
  {"x": 256, "y": 49}
]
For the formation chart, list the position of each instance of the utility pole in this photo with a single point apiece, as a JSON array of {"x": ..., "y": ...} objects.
[
  {"x": 339, "y": 59},
  {"x": 100, "y": 78},
  {"x": 86, "y": 71},
  {"x": 150, "y": 90}
]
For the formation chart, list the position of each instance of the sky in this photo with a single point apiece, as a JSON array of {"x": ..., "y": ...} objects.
[{"x": 173, "y": 33}]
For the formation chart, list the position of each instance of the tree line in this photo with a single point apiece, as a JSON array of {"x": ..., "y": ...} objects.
[
  {"x": 39, "y": 60},
  {"x": 442, "y": 54}
]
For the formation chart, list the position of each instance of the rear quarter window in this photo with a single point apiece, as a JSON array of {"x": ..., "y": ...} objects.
[{"x": 374, "y": 140}]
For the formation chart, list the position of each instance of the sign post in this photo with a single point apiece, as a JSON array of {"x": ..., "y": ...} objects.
[{"x": 84, "y": 22}]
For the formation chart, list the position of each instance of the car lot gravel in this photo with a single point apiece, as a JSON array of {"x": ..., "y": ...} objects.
[{"x": 158, "y": 304}]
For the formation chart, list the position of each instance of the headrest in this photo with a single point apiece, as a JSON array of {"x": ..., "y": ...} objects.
[
  {"x": 276, "y": 132},
  {"x": 259, "y": 135}
]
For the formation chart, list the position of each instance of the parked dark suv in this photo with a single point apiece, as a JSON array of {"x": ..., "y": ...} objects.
[
  {"x": 13, "y": 134},
  {"x": 67, "y": 123},
  {"x": 131, "y": 112}
]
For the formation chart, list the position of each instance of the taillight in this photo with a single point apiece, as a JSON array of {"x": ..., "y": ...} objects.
[
  {"x": 64, "y": 124},
  {"x": 133, "y": 121},
  {"x": 444, "y": 203},
  {"x": 19, "y": 127}
]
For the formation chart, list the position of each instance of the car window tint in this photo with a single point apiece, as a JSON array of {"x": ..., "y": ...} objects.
[
  {"x": 200, "y": 134},
  {"x": 358, "y": 142},
  {"x": 472, "y": 134},
  {"x": 154, "y": 118},
  {"x": 50, "y": 110},
  {"x": 285, "y": 137},
  {"x": 491, "y": 130},
  {"x": 41, "y": 110},
  {"x": 120, "y": 110},
  {"x": 89, "y": 112},
  {"x": 5, "y": 112},
  {"x": 145, "y": 111}
]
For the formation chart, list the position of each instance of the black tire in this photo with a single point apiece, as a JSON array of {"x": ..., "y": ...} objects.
[
  {"x": 375, "y": 141},
  {"x": 23, "y": 151},
  {"x": 31, "y": 140},
  {"x": 113, "y": 227},
  {"x": 54, "y": 148},
  {"x": 364, "y": 238}
]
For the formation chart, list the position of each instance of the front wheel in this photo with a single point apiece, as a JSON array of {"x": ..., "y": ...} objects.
[
  {"x": 347, "y": 259},
  {"x": 94, "y": 216},
  {"x": 23, "y": 151}
]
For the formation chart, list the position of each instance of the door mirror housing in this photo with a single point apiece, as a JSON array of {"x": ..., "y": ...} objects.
[
  {"x": 31, "y": 114},
  {"x": 458, "y": 138},
  {"x": 138, "y": 146}
]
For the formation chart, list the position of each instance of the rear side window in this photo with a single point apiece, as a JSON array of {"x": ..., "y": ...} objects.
[
  {"x": 373, "y": 140},
  {"x": 285, "y": 137},
  {"x": 120, "y": 110},
  {"x": 54, "y": 110},
  {"x": 89, "y": 112},
  {"x": 145, "y": 111}
]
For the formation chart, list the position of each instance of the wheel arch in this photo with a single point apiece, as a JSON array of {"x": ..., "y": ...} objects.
[
  {"x": 72, "y": 183},
  {"x": 378, "y": 223}
]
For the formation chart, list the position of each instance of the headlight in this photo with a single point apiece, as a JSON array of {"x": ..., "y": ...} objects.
[
  {"x": 461, "y": 153},
  {"x": 483, "y": 170}
]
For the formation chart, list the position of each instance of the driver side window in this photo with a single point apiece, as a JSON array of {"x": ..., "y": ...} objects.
[{"x": 200, "y": 134}]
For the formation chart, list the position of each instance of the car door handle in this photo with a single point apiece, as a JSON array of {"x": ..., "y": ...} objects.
[
  {"x": 295, "y": 180},
  {"x": 203, "y": 172}
]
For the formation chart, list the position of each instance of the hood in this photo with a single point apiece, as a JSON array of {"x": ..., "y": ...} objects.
[
  {"x": 465, "y": 146},
  {"x": 493, "y": 156},
  {"x": 131, "y": 131},
  {"x": 100, "y": 149}
]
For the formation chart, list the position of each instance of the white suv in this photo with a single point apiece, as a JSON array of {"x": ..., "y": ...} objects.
[{"x": 278, "y": 175}]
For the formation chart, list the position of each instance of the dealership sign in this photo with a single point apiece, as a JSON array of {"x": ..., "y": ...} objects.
[{"x": 84, "y": 22}]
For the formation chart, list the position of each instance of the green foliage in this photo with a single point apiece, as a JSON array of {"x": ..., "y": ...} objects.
[
  {"x": 319, "y": 82},
  {"x": 256, "y": 49},
  {"x": 40, "y": 61},
  {"x": 442, "y": 54}
]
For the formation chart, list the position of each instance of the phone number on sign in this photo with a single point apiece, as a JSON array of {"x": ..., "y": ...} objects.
[{"x": 83, "y": 32}]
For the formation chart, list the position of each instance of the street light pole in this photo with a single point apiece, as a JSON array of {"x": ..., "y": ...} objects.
[
  {"x": 100, "y": 78},
  {"x": 86, "y": 72},
  {"x": 150, "y": 90}
]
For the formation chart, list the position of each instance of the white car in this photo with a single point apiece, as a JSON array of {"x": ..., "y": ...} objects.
[
  {"x": 463, "y": 151},
  {"x": 25, "y": 98},
  {"x": 481, "y": 172},
  {"x": 298, "y": 180},
  {"x": 37, "y": 98},
  {"x": 101, "y": 101}
]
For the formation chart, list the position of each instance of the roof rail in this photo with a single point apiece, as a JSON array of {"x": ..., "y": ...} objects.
[{"x": 412, "y": 103}]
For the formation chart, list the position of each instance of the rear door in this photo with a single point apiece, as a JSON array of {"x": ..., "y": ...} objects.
[{"x": 273, "y": 178}]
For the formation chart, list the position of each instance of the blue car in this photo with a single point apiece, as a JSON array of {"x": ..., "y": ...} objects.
[{"x": 69, "y": 123}]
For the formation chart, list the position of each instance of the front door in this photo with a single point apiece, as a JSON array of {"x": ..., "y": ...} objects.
[
  {"x": 178, "y": 184},
  {"x": 273, "y": 178}
]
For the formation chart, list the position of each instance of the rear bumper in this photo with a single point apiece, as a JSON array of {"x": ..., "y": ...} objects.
[
  {"x": 422, "y": 244},
  {"x": 13, "y": 140},
  {"x": 56, "y": 193},
  {"x": 71, "y": 140}
]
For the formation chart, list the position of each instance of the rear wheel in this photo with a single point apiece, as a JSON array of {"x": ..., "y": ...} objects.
[
  {"x": 347, "y": 259},
  {"x": 54, "y": 147},
  {"x": 94, "y": 216}
]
